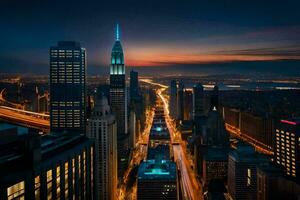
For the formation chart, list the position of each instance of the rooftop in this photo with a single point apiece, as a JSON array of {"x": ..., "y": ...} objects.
[{"x": 157, "y": 169}]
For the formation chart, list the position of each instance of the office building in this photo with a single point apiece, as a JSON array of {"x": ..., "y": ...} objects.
[
  {"x": 287, "y": 149},
  {"x": 53, "y": 166},
  {"x": 157, "y": 179},
  {"x": 68, "y": 87},
  {"x": 242, "y": 175},
  {"x": 173, "y": 99},
  {"x": 102, "y": 128}
]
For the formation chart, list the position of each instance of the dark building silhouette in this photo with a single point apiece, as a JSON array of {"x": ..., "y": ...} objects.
[
  {"x": 68, "y": 87},
  {"x": 180, "y": 101},
  {"x": 242, "y": 174},
  {"x": 173, "y": 99},
  {"x": 53, "y": 166},
  {"x": 134, "y": 85},
  {"x": 214, "y": 98}
]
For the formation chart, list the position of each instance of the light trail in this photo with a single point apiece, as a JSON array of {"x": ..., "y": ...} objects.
[
  {"x": 259, "y": 146},
  {"x": 191, "y": 187},
  {"x": 139, "y": 153},
  {"x": 30, "y": 121}
]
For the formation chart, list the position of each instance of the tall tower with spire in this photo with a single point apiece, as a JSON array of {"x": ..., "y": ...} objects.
[
  {"x": 118, "y": 96},
  {"x": 118, "y": 99}
]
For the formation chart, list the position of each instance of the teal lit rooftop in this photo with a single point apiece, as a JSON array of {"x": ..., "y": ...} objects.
[{"x": 157, "y": 169}]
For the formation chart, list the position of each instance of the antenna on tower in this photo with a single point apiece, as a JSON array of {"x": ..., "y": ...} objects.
[{"x": 117, "y": 32}]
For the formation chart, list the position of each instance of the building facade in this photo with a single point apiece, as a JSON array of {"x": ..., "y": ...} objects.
[
  {"x": 68, "y": 87},
  {"x": 102, "y": 128},
  {"x": 287, "y": 147}
]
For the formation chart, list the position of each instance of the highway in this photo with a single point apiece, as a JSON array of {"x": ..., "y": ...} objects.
[
  {"x": 138, "y": 154},
  {"x": 25, "y": 118},
  {"x": 191, "y": 187},
  {"x": 3, "y": 101}
]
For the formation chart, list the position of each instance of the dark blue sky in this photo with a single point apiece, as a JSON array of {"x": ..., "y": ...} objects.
[{"x": 154, "y": 33}]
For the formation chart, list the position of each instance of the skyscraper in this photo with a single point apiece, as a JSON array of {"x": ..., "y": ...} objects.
[
  {"x": 180, "y": 101},
  {"x": 198, "y": 101},
  {"x": 215, "y": 134},
  {"x": 173, "y": 99},
  {"x": 214, "y": 98},
  {"x": 118, "y": 97},
  {"x": 118, "y": 101},
  {"x": 103, "y": 128},
  {"x": 67, "y": 87},
  {"x": 134, "y": 85}
]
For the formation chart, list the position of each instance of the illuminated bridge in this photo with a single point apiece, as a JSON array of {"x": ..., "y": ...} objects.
[{"x": 25, "y": 118}]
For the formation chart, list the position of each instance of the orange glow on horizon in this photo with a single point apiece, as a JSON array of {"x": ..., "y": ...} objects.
[{"x": 162, "y": 58}]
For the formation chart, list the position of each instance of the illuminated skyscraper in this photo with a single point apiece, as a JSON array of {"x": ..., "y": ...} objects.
[
  {"x": 118, "y": 100},
  {"x": 118, "y": 97},
  {"x": 102, "y": 128},
  {"x": 67, "y": 87}
]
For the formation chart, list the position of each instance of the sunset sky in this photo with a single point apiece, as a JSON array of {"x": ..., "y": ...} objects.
[{"x": 153, "y": 33}]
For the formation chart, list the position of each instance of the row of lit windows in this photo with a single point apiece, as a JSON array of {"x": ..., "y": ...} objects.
[{"x": 17, "y": 191}]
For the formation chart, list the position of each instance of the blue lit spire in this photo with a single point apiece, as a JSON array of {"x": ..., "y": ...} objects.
[
  {"x": 117, "y": 56},
  {"x": 117, "y": 32}
]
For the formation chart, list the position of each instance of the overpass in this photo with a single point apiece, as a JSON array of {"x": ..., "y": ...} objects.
[{"x": 25, "y": 118}]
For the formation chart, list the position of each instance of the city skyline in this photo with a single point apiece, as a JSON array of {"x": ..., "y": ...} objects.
[
  {"x": 176, "y": 34},
  {"x": 139, "y": 100}
]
